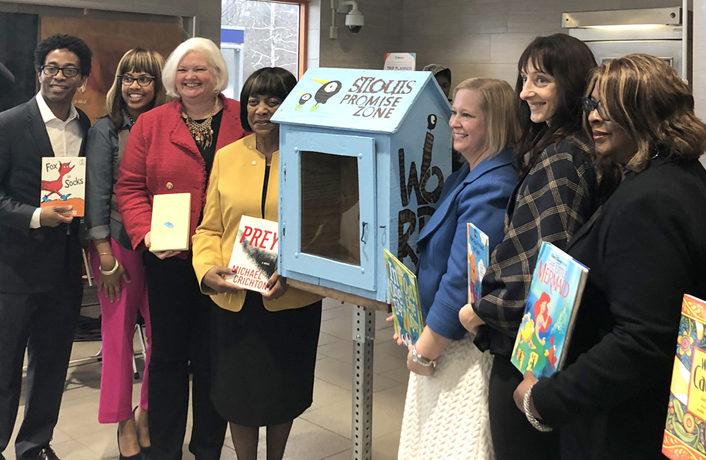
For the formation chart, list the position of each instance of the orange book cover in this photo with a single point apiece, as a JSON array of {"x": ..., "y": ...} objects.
[
  {"x": 685, "y": 428},
  {"x": 64, "y": 183}
]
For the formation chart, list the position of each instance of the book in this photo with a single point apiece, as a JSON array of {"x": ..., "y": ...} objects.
[
  {"x": 554, "y": 296},
  {"x": 64, "y": 183},
  {"x": 686, "y": 413},
  {"x": 254, "y": 256},
  {"x": 478, "y": 250},
  {"x": 404, "y": 299},
  {"x": 171, "y": 220}
]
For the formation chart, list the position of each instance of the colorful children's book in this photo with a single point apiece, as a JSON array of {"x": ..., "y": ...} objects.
[
  {"x": 170, "y": 225},
  {"x": 404, "y": 299},
  {"x": 254, "y": 257},
  {"x": 478, "y": 248},
  {"x": 64, "y": 183},
  {"x": 686, "y": 414},
  {"x": 555, "y": 293}
]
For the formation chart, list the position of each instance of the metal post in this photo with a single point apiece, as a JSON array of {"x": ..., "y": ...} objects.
[{"x": 362, "y": 423}]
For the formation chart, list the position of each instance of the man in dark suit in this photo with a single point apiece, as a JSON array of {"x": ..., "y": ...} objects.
[{"x": 40, "y": 254}]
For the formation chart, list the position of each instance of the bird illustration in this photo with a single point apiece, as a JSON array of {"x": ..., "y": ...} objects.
[
  {"x": 303, "y": 100},
  {"x": 327, "y": 90},
  {"x": 54, "y": 186}
]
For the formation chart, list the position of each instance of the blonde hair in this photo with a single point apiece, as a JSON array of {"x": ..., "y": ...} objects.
[
  {"x": 499, "y": 106},
  {"x": 135, "y": 60},
  {"x": 647, "y": 98},
  {"x": 201, "y": 45}
]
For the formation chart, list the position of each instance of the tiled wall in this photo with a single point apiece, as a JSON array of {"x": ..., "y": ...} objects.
[
  {"x": 486, "y": 37},
  {"x": 381, "y": 34},
  {"x": 473, "y": 37}
]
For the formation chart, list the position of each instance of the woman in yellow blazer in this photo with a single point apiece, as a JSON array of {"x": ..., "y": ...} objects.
[{"x": 263, "y": 345}]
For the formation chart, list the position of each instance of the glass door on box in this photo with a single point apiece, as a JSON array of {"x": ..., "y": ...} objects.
[{"x": 331, "y": 209}]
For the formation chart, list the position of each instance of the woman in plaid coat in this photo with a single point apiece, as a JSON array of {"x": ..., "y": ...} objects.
[{"x": 556, "y": 194}]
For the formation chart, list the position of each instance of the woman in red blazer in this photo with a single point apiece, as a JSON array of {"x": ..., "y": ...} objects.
[{"x": 171, "y": 150}]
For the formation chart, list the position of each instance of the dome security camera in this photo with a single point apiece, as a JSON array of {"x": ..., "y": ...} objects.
[{"x": 355, "y": 20}]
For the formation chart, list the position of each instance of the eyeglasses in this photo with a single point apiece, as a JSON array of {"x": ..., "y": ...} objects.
[
  {"x": 142, "y": 80},
  {"x": 589, "y": 105},
  {"x": 50, "y": 70}
]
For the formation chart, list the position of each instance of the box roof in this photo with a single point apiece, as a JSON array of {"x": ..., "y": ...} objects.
[{"x": 356, "y": 99}]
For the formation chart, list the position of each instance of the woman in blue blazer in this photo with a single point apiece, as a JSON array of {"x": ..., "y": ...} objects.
[{"x": 446, "y": 367}]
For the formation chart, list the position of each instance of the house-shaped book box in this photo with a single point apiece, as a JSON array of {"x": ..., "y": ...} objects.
[{"x": 363, "y": 158}]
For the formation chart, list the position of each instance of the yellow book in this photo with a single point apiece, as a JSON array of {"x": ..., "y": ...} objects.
[
  {"x": 686, "y": 413},
  {"x": 169, "y": 230}
]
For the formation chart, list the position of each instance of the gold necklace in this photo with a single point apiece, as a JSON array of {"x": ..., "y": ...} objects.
[{"x": 201, "y": 132}]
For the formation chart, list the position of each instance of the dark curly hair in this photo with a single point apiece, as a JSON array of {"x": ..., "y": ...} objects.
[
  {"x": 267, "y": 81},
  {"x": 64, "y": 41}
]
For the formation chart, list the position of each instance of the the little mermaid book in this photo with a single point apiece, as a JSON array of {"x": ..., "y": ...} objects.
[
  {"x": 404, "y": 299},
  {"x": 555, "y": 293},
  {"x": 685, "y": 429}
]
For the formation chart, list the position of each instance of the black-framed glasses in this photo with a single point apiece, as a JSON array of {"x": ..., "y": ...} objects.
[
  {"x": 589, "y": 105},
  {"x": 50, "y": 70},
  {"x": 142, "y": 80}
]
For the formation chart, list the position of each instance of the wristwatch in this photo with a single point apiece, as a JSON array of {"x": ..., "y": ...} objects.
[{"x": 421, "y": 360}]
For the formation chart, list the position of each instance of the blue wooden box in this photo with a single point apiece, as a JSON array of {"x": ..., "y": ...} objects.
[{"x": 363, "y": 158}]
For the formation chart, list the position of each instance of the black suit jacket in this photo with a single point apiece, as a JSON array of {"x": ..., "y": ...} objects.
[
  {"x": 31, "y": 260},
  {"x": 645, "y": 249}
]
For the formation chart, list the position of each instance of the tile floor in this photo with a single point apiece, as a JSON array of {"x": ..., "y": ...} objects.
[{"x": 322, "y": 432}]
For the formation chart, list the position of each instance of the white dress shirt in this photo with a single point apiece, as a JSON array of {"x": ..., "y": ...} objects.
[{"x": 65, "y": 137}]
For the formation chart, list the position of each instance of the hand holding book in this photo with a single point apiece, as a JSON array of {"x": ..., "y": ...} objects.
[
  {"x": 469, "y": 319},
  {"x": 53, "y": 216},
  {"x": 277, "y": 287},
  {"x": 159, "y": 254},
  {"x": 214, "y": 281}
]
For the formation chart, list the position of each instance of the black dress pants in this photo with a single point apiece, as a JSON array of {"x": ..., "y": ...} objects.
[
  {"x": 43, "y": 324},
  {"x": 180, "y": 336},
  {"x": 513, "y": 436}
]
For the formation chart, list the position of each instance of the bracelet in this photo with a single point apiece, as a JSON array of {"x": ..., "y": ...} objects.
[
  {"x": 104, "y": 254},
  {"x": 539, "y": 426},
  {"x": 112, "y": 270},
  {"x": 421, "y": 360}
]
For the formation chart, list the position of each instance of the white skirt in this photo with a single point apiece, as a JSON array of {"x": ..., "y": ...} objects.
[{"x": 446, "y": 415}]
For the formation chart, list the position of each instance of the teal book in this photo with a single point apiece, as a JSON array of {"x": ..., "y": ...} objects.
[
  {"x": 478, "y": 248},
  {"x": 404, "y": 300},
  {"x": 555, "y": 293}
]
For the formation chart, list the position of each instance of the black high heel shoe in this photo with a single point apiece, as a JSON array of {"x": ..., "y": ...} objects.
[
  {"x": 137, "y": 456},
  {"x": 145, "y": 451}
]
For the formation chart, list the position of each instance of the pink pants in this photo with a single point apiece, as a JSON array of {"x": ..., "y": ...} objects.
[{"x": 117, "y": 330}]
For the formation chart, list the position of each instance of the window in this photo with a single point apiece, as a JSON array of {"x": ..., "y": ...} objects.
[{"x": 257, "y": 33}]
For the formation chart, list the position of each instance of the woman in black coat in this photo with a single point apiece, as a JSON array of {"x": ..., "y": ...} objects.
[{"x": 646, "y": 248}]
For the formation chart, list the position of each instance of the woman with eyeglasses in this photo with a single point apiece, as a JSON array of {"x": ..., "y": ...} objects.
[
  {"x": 556, "y": 194},
  {"x": 645, "y": 248},
  {"x": 171, "y": 149},
  {"x": 117, "y": 268}
]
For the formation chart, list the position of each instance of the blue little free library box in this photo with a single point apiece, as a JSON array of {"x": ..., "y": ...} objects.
[{"x": 363, "y": 158}]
